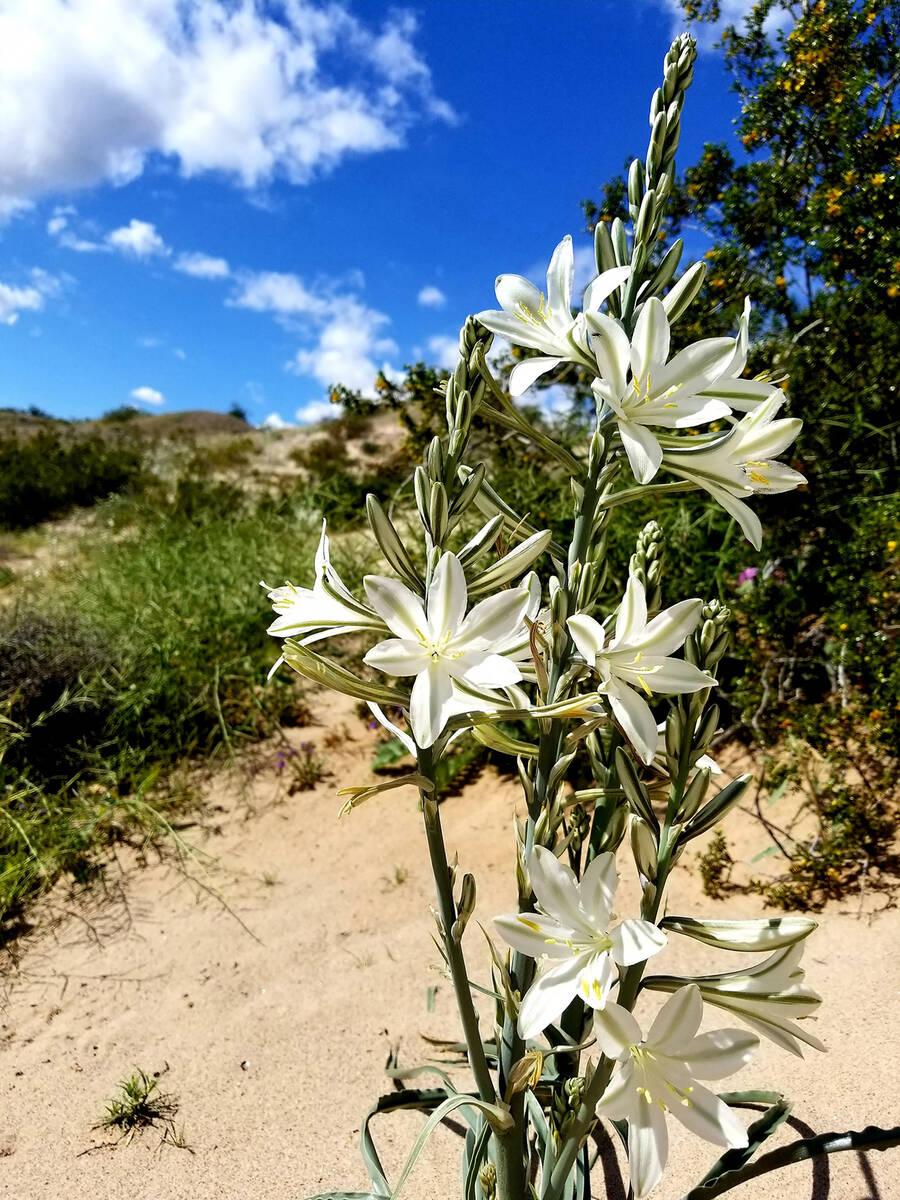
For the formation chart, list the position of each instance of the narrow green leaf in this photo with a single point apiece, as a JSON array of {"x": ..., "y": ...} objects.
[
  {"x": 758, "y": 1132},
  {"x": 870, "y": 1138}
]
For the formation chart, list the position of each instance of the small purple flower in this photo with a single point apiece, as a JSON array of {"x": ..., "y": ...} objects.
[{"x": 748, "y": 574}]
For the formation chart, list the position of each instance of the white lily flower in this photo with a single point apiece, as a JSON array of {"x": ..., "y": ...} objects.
[
  {"x": 572, "y": 929},
  {"x": 743, "y": 463},
  {"x": 638, "y": 657},
  {"x": 442, "y": 646},
  {"x": 643, "y": 389},
  {"x": 658, "y": 1074},
  {"x": 324, "y": 610},
  {"x": 769, "y": 997},
  {"x": 529, "y": 319}
]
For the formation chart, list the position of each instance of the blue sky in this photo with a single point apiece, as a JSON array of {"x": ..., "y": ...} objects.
[{"x": 244, "y": 203}]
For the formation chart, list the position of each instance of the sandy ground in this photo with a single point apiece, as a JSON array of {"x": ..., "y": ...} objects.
[{"x": 276, "y": 1039}]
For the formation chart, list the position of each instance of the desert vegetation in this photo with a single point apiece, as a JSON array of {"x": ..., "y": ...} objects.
[{"x": 136, "y": 667}]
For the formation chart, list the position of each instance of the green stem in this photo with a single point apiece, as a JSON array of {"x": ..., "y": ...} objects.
[{"x": 440, "y": 868}]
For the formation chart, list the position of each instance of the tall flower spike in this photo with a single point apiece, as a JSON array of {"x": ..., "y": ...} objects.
[
  {"x": 528, "y": 318},
  {"x": 743, "y": 463},
  {"x": 442, "y": 646},
  {"x": 572, "y": 930},
  {"x": 643, "y": 389},
  {"x": 658, "y": 1074},
  {"x": 637, "y": 663}
]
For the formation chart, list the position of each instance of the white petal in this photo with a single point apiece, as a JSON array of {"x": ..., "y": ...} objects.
[
  {"x": 750, "y": 524},
  {"x": 677, "y": 1021},
  {"x": 759, "y": 933},
  {"x": 399, "y": 734},
  {"x": 491, "y": 620},
  {"x": 517, "y": 331},
  {"x": 620, "y": 1099},
  {"x": 447, "y": 596},
  {"x": 611, "y": 348},
  {"x": 634, "y": 941},
  {"x": 478, "y": 669},
  {"x": 399, "y": 608},
  {"x": 588, "y": 636},
  {"x": 602, "y": 287},
  {"x": 650, "y": 343},
  {"x": 598, "y": 977},
  {"x": 709, "y": 1118},
  {"x": 430, "y": 704},
  {"x": 663, "y": 676},
  {"x": 690, "y": 411},
  {"x": 668, "y": 630},
  {"x": 549, "y": 996},
  {"x": 615, "y": 1029},
  {"x": 524, "y": 373},
  {"x": 740, "y": 394},
  {"x": 515, "y": 293},
  {"x": 694, "y": 367},
  {"x": 643, "y": 450},
  {"x": 648, "y": 1147},
  {"x": 632, "y": 616},
  {"x": 398, "y": 656},
  {"x": 534, "y": 934},
  {"x": 719, "y": 1054},
  {"x": 637, "y": 721},
  {"x": 598, "y": 889},
  {"x": 555, "y": 886},
  {"x": 560, "y": 277}
]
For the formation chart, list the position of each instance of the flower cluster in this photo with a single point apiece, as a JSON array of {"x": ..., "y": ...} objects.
[
  {"x": 655, "y": 401},
  {"x": 536, "y": 654}
]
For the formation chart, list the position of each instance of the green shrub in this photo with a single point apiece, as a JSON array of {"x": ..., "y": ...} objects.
[{"x": 44, "y": 476}]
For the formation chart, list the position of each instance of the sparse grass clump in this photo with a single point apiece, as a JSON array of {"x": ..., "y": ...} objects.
[{"x": 141, "y": 1105}]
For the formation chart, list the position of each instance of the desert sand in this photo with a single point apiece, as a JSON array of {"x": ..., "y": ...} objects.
[{"x": 275, "y": 1016}]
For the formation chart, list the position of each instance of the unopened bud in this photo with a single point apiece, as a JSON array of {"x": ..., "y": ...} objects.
[
  {"x": 487, "y": 1177},
  {"x": 434, "y": 459},
  {"x": 644, "y": 849},
  {"x": 465, "y": 908},
  {"x": 695, "y": 794}
]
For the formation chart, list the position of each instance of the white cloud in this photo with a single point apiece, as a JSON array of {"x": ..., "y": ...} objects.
[
  {"x": 60, "y": 227},
  {"x": 202, "y": 266},
  {"x": 91, "y": 89},
  {"x": 277, "y": 292},
  {"x": 432, "y": 297},
  {"x": 275, "y": 421},
  {"x": 148, "y": 395},
  {"x": 317, "y": 410},
  {"x": 444, "y": 351},
  {"x": 16, "y": 298},
  {"x": 732, "y": 12},
  {"x": 138, "y": 238},
  {"x": 149, "y": 342},
  {"x": 350, "y": 349},
  {"x": 179, "y": 353}
]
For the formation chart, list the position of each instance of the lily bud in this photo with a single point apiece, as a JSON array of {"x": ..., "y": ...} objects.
[
  {"x": 681, "y": 295},
  {"x": 434, "y": 459},
  {"x": 644, "y": 848},
  {"x": 465, "y": 908},
  {"x": 438, "y": 513},
  {"x": 695, "y": 794}
]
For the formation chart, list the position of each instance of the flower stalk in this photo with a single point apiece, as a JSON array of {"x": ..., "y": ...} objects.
[{"x": 616, "y": 687}]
